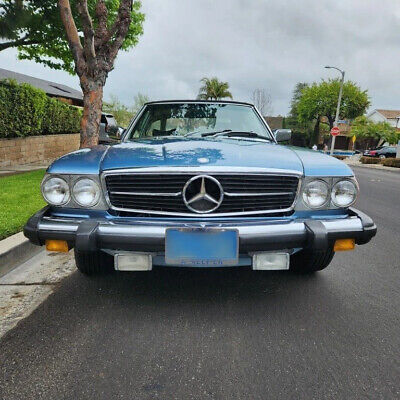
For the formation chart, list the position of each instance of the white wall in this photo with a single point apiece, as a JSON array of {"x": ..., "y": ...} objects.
[{"x": 375, "y": 116}]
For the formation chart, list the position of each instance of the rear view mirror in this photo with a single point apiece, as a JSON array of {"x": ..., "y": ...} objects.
[{"x": 283, "y": 135}]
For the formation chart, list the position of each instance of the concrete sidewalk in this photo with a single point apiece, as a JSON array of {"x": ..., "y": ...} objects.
[{"x": 355, "y": 161}]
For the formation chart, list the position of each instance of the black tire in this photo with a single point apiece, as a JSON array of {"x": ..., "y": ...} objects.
[
  {"x": 309, "y": 261},
  {"x": 94, "y": 263}
]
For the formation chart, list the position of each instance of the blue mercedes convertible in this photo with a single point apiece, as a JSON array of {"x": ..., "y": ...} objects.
[{"x": 199, "y": 184}]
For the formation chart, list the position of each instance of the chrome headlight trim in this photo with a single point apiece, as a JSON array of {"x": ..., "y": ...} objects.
[
  {"x": 71, "y": 180},
  {"x": 62, "y": 180},
  {"x": 327, "y": 197},
  {"x": 96, "y": 187},
  {"x": 354, "y": 183}
]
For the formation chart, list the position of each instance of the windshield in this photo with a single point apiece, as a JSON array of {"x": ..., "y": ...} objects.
[{"x": 196, "y": 119}]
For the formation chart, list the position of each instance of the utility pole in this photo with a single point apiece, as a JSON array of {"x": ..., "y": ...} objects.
[{"x": 335, "y": 124}]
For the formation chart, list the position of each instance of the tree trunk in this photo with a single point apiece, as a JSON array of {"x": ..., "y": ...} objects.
[
  {"x": 331, "y": 121},
  {"x": 315, "y": 136},
  {"x": 92, "y": 107}
]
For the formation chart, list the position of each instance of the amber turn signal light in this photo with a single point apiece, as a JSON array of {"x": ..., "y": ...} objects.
[
  {"x": 344, "y": 245},
  {"x": 60, "y": 246}
]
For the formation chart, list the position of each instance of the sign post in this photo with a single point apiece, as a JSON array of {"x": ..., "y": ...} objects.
[
  {"x": 334, "y": 132},
  {"x": 337, "y": 108}
]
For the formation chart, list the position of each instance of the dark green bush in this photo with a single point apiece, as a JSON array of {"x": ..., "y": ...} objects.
[
  {"x": 27, "y": 111},
  {"x": 391, "y": 162},
  {"x": 60, "y": 118},
  {"x": 370, "y": 160}
]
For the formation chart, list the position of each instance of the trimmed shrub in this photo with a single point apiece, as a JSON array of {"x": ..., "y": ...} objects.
[
  {"x": 370, "y": 160},
  {"x": 340, "y": 157},
  {"x": 60, "y": 118},
  {"x": 391, "y": 162},
  {"x": 27, "y": 111},
  {"x": 22, "y": 109}
]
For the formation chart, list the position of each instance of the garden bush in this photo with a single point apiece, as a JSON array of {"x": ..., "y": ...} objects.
[
  {"x": 340, "y": 157},
  {"x": 369, "y": 160},
  {"x": 391, "y": 162},
  {"x": 27, "y": 111}
]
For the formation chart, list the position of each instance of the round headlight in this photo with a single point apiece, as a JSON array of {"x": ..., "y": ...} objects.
[
  {"x": 86, "y": 192},
  {"x": 344, "y": 193},
  {"x": 56, "y": 191},
  {"x": 316, "y": 194}
]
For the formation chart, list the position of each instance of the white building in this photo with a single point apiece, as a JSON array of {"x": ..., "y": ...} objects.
[{"x": 392, "y": 117}]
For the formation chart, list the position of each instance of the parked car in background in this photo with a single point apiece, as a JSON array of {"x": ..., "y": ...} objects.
[
  {"x": 200, "y": 184},
  {"x": 109, "y": 131},
  {"x": 367, "y": 152},
  {"x": 384, "y": 152}
]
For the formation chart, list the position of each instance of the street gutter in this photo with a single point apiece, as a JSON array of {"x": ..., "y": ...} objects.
[{"x": 14, "y": 250}]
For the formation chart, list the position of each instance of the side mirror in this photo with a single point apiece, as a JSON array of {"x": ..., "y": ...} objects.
[{"x": 283, "y": 135}]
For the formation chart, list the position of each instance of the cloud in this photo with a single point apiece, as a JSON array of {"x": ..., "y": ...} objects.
[{"x": 271, "y": 44}]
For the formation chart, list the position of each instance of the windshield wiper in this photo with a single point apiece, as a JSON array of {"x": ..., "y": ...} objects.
[
  {"x": 215, "y": 133},
  {"x": 206, "y": 133},
  {"x": 230, "y": 133}
]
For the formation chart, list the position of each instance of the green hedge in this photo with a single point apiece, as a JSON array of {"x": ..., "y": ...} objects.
[
  {"x": 391, "y": 162},
  {"x": 370, "y": 160},
  {"x": 27, "y": 111}
]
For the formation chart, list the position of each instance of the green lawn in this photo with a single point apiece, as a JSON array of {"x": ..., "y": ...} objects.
[{"x": 20, "y": 197}]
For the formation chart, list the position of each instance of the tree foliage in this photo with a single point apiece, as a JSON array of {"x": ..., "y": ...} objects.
[
  {"x": 214, "y": 89},
  {"x": 320, "y": 100},
  {"x": 363, "y": 127},
  {"x": 35, "y": 27},
  {"x": 262, "y": 100},
  {"x": 139, "y": 101},
  {"x": 122, "y": 113}
]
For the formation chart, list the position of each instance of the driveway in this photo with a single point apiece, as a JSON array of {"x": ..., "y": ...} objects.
[{"x": 223, "y": 334}]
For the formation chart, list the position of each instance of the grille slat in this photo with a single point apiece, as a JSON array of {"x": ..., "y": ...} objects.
[{"x": 283, "y": 191}]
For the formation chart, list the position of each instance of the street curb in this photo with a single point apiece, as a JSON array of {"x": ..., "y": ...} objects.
[
  {"x": 14, "y": 250},
  {"x": 373, "y": 166}
]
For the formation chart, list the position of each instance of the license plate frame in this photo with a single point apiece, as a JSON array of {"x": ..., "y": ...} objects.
[{"x": 200, "y": 242}]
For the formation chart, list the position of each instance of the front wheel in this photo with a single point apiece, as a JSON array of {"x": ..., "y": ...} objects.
[
  {"x": 93, "y": 262},
  {"x": 309, "y": 261},
  {"x": 382, "y": 156}
]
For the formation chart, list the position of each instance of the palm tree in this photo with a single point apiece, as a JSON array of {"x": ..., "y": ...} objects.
[{"x": 213, "y": 89}]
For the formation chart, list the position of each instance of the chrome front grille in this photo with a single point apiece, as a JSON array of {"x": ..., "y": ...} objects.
[{"x": 161, "y": 193}]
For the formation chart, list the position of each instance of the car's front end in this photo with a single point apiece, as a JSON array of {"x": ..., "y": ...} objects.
[{"x": 204, "y": 199}]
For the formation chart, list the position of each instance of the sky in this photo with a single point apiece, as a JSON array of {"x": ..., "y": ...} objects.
[{"x": 266, "y": 44}]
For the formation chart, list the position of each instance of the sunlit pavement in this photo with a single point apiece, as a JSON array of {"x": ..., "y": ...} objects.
[{"x": 222, "y": 334}]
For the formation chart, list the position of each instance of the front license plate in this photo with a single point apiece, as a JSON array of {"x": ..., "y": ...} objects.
[{"x": 201, "y": 247}]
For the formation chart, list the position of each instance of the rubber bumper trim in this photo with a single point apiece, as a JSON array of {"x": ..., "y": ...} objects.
[{"x": 93, "y": 234}]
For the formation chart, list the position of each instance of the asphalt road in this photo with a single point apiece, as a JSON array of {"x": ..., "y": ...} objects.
[{"x": 223, "y": 334}]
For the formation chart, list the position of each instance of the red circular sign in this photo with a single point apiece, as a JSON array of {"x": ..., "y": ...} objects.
[{"x": 335, "y": 131}]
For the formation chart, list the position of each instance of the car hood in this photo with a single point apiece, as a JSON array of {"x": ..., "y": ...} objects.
[
  {"x": 200, "y": 152},
  {"x": 186, "y": 152}
]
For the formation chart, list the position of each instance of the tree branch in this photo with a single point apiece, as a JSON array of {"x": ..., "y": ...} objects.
[
  {"x": 72, "y": 36},
  {"x": 88, "y": 32},
  {"x": 120, "y": 28},
  {"x": 19, "y": 42},
  {"x": 101, "y": 30}
]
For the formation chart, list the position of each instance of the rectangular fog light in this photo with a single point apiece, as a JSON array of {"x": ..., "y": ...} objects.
[
  {"x": 133, "y": 262},
  {"x": 271, "y": 261}
]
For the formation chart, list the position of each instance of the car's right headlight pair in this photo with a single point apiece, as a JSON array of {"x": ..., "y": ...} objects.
[
  {"x": 85, "y": 191},
  {"x": 317, "y": 193}
]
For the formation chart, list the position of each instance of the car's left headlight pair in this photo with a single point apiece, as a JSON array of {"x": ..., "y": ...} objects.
[
  {"x": 318, "y": 193},
  {"x": 85, "y": 192}
]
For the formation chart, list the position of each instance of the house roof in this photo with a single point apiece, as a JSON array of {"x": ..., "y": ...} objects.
[
  {"x": 51, "y": 88},
  {"x": 389, "y": 114}
]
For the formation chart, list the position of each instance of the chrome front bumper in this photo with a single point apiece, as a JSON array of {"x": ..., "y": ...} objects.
[{"x": 149, "y": 236}]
